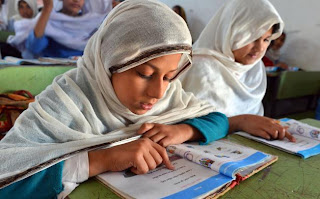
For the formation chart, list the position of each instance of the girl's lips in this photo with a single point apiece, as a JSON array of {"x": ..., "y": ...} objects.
[
  {"x": 253, "y": 56},
  {"x": 146, "y": 106}
]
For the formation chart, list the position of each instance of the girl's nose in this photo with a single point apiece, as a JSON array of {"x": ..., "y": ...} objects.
[{"x": 156, "y": 89}]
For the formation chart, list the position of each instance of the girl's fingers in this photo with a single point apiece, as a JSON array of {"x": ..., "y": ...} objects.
[
  {"x": 290, "y": 137},
  {"x": 157, "y": 137},
  {"x": 150, "y": 161},
  {"x": 140, "y": 166},
  {"x": 163, "y": 153},
  {"x": 156, "y": 156},
  {"x": 145, "y": 128},
  {"x": 263, "y": 134}
]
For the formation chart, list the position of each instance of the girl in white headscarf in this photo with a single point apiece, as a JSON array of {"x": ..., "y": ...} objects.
[
  {"x": 3, "y": 15},
  {"x": 61, "y": 29},
  {"x": 26, "y": 9},
  {"x": 227, "y": 68},
  {"x": 124, "y": 86}
]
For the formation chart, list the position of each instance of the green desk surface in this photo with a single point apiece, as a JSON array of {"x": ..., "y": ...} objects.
[
  {"x": 32, "y": 78},
  {"x": 289, "y": 177}
]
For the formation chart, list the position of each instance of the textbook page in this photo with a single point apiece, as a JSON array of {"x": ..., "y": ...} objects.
[
  {"x": 8, "y": 60},
  {"x": 188, "y": 180},
  {"x": 307, "y": 139},
  {"x": 299, "y": 128},
  {"x": 221, "y": 156}
]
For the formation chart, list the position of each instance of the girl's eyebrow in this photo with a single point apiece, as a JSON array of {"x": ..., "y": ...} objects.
[{"x": 156, "y": 68}]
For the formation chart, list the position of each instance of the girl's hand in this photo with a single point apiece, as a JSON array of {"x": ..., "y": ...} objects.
[
  {"x": 140, "y": 156},
  {"x": 47, "y": 5},
  {"x": 259, "y": 126},
  {"x": 169, "y": 134}
]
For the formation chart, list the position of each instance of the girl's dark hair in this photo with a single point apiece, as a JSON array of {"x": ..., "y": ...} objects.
[
  {"x": 275, "y": 28},
  {"x": 3, "y": 1}
]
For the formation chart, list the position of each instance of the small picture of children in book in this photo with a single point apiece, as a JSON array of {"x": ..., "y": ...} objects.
[
  {"x": 206, "y": 162},
  {"x": 314, "y": 133}
]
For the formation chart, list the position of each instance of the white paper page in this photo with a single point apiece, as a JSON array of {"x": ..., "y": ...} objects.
[
  {"x": 299, "y": 128},
  {"x": 163, "y": 182},
  {"x": 215, "y": 154},
  {"x": 302, "y": 143}
]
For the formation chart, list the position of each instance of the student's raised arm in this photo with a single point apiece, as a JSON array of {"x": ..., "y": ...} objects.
[{"x": 43, "y": 19}]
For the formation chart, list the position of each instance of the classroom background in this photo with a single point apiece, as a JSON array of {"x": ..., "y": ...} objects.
[{"x": 302, "y": 25}]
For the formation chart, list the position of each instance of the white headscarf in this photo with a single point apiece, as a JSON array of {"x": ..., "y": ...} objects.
[
  {"x": 72, "y": 32},
  {"x": 233, "y": 88},
  {"x": 32, "y": 4},
  {"x": 4, "y": 16},
  {"x": 80, "y": 110}
]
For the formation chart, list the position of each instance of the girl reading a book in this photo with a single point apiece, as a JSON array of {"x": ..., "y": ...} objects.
[
  {"x": 125, "y": 85},
  {"x": 62, "y": 29},
  {"x": 227, "y": 68}
]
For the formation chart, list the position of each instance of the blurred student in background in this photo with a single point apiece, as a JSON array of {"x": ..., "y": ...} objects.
[
  {"x": 272, "y": 56},
  {"x": 180, "y": 11},
  {"x": 3, "y": 15},
  {"x": 25, "y": 9},
  {"x": 62, "y": 29}
]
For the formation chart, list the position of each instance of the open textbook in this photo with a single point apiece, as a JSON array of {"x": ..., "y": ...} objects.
[
  {"x": 200, "y": 171},
  {"x": 45, "y": 61},
  {"x": 307, "y": 139}
]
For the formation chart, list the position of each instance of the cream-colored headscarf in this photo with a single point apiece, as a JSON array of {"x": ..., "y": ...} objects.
[
  {"x": 233, "y": 88},
  {"x": 80, "y": 110}
]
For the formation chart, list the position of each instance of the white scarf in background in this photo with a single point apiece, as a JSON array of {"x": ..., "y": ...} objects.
[
  {"x": 71, "y": 32},
  {"x": 4, "y": 16},
  {"x": 215, "y": 76},
  {"x": 32, "y": 4},
  {"x": 80, "y": 110}
]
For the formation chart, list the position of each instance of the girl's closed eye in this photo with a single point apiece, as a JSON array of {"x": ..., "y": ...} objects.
[
  {"x": 267, "y": 40},
  {"x": 144, "y": 76}
]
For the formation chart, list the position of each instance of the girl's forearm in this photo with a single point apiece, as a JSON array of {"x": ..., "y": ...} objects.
[{"x": 42, "y": 22}]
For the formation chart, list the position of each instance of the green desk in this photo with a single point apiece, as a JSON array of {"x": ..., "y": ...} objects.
[
  {"x": 290, "y": 177},
  {"x": 32, "y": 78}
]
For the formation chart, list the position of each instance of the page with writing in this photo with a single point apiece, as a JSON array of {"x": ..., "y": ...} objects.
[
  {"x": 307, "y": 139},
  {"x": 187, "y": 180},
  {"x": 221, "y": 156}
]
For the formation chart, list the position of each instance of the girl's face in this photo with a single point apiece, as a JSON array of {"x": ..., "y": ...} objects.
[
  {"x": 141, "y": 87},
  {"x": 24, "y": 10},
  {"x": 253, "y": 51},
  {"x": 72, "y": 7},
  {"x": 278, "y": 43}
]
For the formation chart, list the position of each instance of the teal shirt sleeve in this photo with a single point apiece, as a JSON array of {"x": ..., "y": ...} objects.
[
  {"x": 213, "y": 126},
  {"x": 44, "y": 184}
]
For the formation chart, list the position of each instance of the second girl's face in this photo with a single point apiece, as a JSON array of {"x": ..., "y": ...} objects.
[
  {"x": 72, "y": 7},
  {"x": 278, "y": 43},
  {"x": 24, "y": 10},
  {"x": 253, "y": 51},
  {"x": 141, "y": 87}
]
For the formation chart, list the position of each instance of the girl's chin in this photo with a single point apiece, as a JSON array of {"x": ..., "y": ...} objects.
[{"x": 139, "y": 111}]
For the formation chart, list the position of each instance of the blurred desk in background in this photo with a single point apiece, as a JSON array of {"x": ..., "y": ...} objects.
[{"x": 291, "y": 92}]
